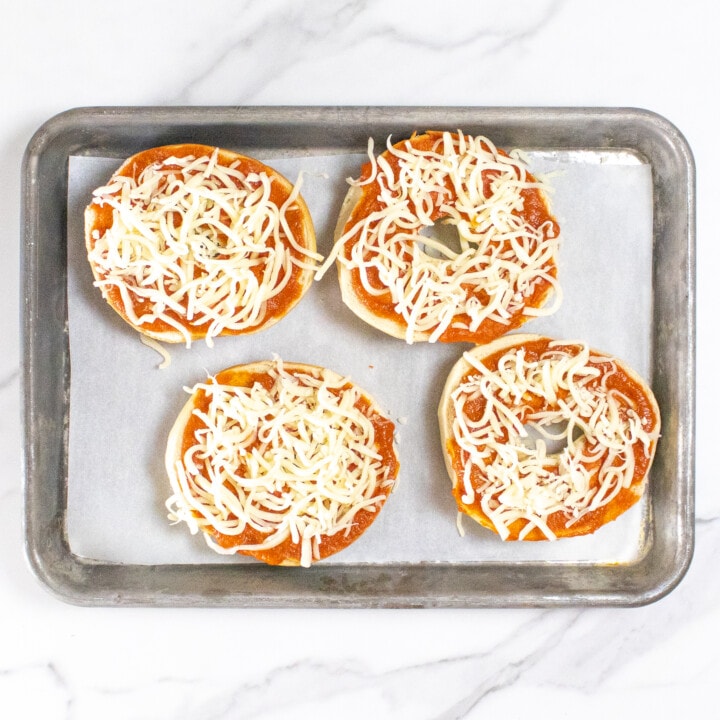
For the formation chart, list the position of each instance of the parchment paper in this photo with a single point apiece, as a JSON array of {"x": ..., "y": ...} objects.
[{"x": 122, "y": 406}]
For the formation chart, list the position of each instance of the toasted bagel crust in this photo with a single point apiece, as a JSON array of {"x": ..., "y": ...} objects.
[
  {"x": 335, "y": 506},
  {"x": 475, "y": 487},
  {"x": 173, "y": 322},
  {"x": 389, "y": 303}
]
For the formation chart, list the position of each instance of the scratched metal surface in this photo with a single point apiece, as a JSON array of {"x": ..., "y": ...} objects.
[{"x": 284, "y": 132}]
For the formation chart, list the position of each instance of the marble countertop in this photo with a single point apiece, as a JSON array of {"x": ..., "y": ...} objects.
[{"x": 62, "y": 661}]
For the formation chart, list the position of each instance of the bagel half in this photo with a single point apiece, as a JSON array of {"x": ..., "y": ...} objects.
[
  {"x": 404, "y": 283},
  {"x": 600, "y": 415},
  {"x": 285, "y": 462},
  {"x": 190, "y": 241}
]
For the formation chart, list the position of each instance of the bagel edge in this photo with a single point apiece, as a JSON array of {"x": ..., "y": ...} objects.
[
  {"x": 446, "y": 416},
  {"x": 171, "y": 335}
]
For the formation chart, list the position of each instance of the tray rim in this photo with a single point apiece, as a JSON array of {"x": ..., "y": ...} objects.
[{"x": 88, "y": 582}]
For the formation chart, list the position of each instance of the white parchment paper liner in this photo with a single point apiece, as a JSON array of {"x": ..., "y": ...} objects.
[{"x": 122, "y": 406}]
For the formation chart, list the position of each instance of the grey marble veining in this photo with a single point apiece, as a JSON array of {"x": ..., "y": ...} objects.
[
  {"x": 9, "y": 380},
  {"x": 59, "y": 662},
  {"x": 256, "y": 49}
]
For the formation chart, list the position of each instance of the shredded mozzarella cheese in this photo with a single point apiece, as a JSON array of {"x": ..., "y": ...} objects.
[
  {"x": 564, "y": 390},
  {"x": 297, "y": 460},
  {"x": 158, "y": 348},
  {"x": 196, "y": 241},
  {"x": 501, "y": 253}
]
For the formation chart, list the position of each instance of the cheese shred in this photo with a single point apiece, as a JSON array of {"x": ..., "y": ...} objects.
[
  {"x": 294, "y": 458},
  {"x": 562, "y": 397},
  {"x": 195, "y": 243},
  {"x": 502, "y": 256}
]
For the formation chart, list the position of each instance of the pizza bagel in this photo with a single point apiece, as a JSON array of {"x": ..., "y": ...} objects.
[
  {"x": 191, "y": 241},
  {"x": 285, "y": 462},
  {"x": 398, "y": 278},
  {"x": 545, "y": 438}
]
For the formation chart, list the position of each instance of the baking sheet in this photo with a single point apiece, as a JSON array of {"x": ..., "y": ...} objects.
[
  {"x": 83, "y": 535},
  {"x": 121, "y": 406}
]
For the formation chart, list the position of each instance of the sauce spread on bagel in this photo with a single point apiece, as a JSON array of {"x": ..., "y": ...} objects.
[
  {"x": 190, "y": 241},
  {"x": 288, "y": 463},
  {"x": 602, "y": 414},
  {"x": 505, "y": 269}
]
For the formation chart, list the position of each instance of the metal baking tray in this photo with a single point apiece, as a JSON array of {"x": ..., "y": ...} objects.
[{"x": 280, "y": 131}]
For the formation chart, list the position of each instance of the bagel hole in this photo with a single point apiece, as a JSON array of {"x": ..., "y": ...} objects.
[
  {"x": 558, "y": 432},
  {"x": 442, "y": 233}
]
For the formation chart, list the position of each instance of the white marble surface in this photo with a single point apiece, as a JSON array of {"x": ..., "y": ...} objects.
[{"x": 61, "y": 661}]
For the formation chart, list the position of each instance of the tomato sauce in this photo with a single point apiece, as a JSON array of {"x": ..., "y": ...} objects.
[
  {"x": 330, "y": 544},
  {"x": 535, "y": 212},
  {"x": 275, "y": 307},
  {"x": 616, "y": 378}
]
